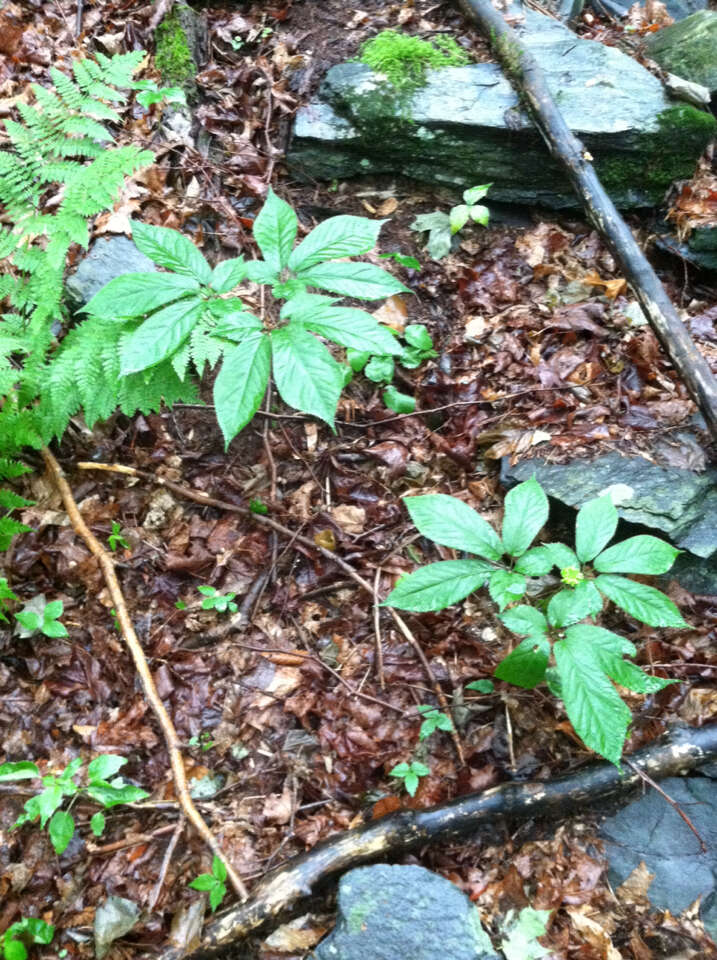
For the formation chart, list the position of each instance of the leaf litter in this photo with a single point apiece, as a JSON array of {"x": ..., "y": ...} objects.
[{"x": 540, "y": 351}]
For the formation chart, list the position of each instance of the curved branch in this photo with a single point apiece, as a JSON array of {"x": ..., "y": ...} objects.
[
  {"x": 678, "y": 753},
  {"x": 527, "y": 77},
  {"x": 130, "y": 638}
]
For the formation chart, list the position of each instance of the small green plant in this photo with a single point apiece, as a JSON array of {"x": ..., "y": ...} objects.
[
  {"x": 433, "y": 720},
  {"x": 204, "y": 741},
  {"x": 577, "y": 659},
  {"x": 256, "y": 506},
  {"x": 404, "y": 60},
  {"x": 39, "y": 616},
  {"x": 481, "y": 686},
  {"x": 149, "y": 93},
  {"x": 441, "y": 227},
  {"x": 212, "y": 883},
  {"x": 213, "y": 600},
  {"x": 380, "y": 368},
  {"x": 116, "y": 539},
  {"x": 7, "y": 597},
  {"x": 410, "y": 774},
  {"x": 47, "y": 805},
  {"x": 23, "y": 933},
  {"x": 191, "y": 320}
]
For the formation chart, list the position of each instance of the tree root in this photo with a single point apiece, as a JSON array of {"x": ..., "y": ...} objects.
[
  {"x": 130, "y": 638},
  {"x": 676, "y": 754}
]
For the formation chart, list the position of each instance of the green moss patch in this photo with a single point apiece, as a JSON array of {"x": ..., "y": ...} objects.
[
  {"x": 404, "y": 59},
  {"x": 173, "y": 57}
]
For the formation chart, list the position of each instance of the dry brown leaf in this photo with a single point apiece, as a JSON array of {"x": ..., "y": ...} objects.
[
  {"x": 389, "y": 205},
  {"x": 351, "y": 519},
  {"x": 393, "y": 313},
  {"x": 593, "y": 933},
  {"x": 278, "y": 807},
  {"x": 699, "y": 705},
  {"x": 476, "y": 327},
  {"x": 294, "y": 937},
  {"x": 634, "y": 889},
  {"x": 612, "y": 288}
]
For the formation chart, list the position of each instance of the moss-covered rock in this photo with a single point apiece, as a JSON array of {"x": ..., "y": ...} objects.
[
  {"x": 465, "y": 125},
  {"x": 689, "y": 49},
  {"x": 173, "y": 53}
]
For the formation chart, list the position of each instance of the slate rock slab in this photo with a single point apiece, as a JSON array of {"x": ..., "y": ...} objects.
[
  {"x": 396, "y": 912},
  {"x": 689, "y": 48},
  {"x": 108, "y": 258},
  {"x": 465, "y": 126},
  {"x": 652, "y": 831}
]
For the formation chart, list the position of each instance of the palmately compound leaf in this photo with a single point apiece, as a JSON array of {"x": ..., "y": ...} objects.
[
  {"x": 134, "y": 294},
  {"x": 228, "y": 274},
  {"x": 642, "y": 554},
  {"x": 337, "y": 237},
  {"x": 536, "y": 562},
  {"x": 364, "y": 281},
  {"x": 345, "y": 325},
  {"x": 525, "y": 666},
  {"x": 306, "y": 375},
  {"x": 595, "y": 527},
  {"x": 644, "y": 603},
  {"x": 573, "y": 604},
  {"x": 526, "y": 511},
  {"x": 608, "y": 649},
  {"x": 525, "y": 621},
  {"x": 275, "y": 231},
  {"x": 438, "y": 585},
  {"x": 171, "y": 249},
  {"x": 241, "y": 383},
  {"x": 160, "y": 335},
  {"x": 506, "y": 587},
  {"x": 452, "y": 523},
  {"x": 597, "y": 713}
]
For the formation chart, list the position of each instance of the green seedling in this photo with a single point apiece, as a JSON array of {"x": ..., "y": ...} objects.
[
  {"x": 212, "y": 883},
  {"x": 441, "y": 227},
  {"x": 213, "y": 600},
  {"x": 432, "y": 720},
  {"x": 116, "y": 539},
  {"x": 204, "y": 741},
  {"x": 39, "y": 616},
  {"x": 380, "y": 368},
  {"x": 410, "y": 773},
  {"x": 23, "y": 933}
]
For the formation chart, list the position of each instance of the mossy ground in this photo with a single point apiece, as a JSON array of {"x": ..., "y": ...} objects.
[
  {"x": 173, "y": 57},
  {"x": 404, "y": 59}
]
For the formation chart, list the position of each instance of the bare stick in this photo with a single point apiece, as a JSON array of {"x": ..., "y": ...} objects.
[
  {"x": 130, "y": 638},
  {"x": 377, "y": 630},
  {"x": 527, "y": 77},
  {"x": 166, "y": 860}
]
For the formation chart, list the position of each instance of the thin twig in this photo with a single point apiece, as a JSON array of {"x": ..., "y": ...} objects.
[
  {"x": 166, "y": 860},
  {"x": 199, "y": 496},
  {"x": 377, "y": 630},
  {"x": 107, "y": 566},
  {"x": 673, "y": 803}
]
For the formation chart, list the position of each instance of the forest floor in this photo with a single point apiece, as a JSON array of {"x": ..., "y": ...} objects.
[{"x": 535, "y": 355}]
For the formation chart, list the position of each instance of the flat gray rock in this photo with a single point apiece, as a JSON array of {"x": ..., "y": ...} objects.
[
  {"x": 679, "y": 503},
  {"x": 652, "y": 831},
  {"x": 689, "y": 48},
  {"x": 404, "y": 913},
  {"x": 108, "y": 258},
  {"x": 465, "y": 126}
]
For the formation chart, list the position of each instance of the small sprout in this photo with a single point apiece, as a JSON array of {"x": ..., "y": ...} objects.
[
  {"x": 116, "y": 539},
  {"x": 213, "y": 883},
  {"x": 256, "y": 506},
  {"x": 481, "y": 686},
  {"x": 432, "y": 720},
  {"x": 410, "y": 773},
  {"x": 409, "y": 262},
  {"x": 204, "y": 740},
  {"x": 180, "y": 605},
  {"x": 39, "y": 616},
  {"x": 97, "y": 823},
  {"x": 571, "y": 576},
  {"x": 221, "y": 602}
]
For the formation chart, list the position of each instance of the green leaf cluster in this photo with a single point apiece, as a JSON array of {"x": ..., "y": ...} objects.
[
  {"x": 213, "y": 600},
  {"x": 433, "y": 720},
  {"x": 410, "y": 774},
  {"x": 213, "y": 883},
  {"x": 417, "y": 347},
  {"x": 404, "y": 59},
  {"x": 28, "y": 930},
  {"x": 188, "y": 315},
  {"x": 588, "y": 660},
  {"x": 441, "y": 226},
  {"x": 102, "y": 786}
]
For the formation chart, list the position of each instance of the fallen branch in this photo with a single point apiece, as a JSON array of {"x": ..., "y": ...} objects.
[
  {"x": 528, "y": 79},
  {"x": 142, "y": 667},
  {"x": 678, "y": 753},
  {"x": 198, "y": 496}
]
